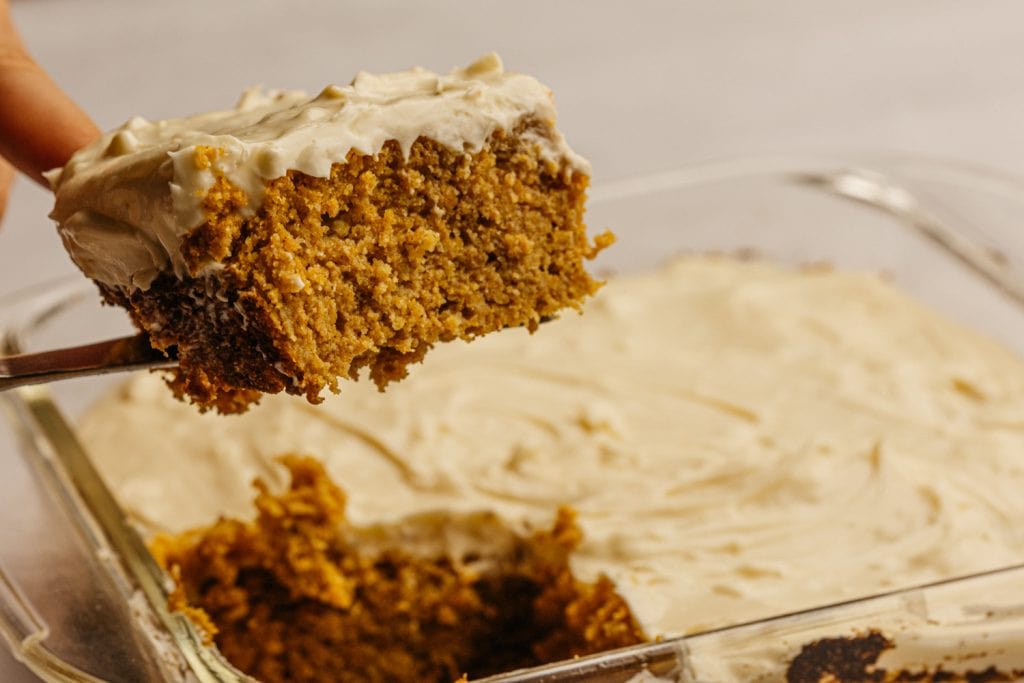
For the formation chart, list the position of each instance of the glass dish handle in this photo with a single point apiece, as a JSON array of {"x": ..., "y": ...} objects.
[
  {"x": 25, "y": 634},
  {"x": 972, "y": 212},
  {"x": 947, "y": 221}
]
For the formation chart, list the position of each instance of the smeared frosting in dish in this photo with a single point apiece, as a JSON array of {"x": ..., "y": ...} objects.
[
  {"x": 740, "y": 440},
  {"x": 124, "y": 203}
]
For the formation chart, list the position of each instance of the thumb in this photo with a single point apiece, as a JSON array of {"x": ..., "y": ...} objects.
[{"x": 40, "y": 126}]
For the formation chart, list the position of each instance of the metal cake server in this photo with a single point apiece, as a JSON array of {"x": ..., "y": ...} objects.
[{"x": 100, "y": 358}]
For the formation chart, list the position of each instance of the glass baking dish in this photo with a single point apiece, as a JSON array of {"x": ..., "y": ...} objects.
[{"x": 82, "y": 600}]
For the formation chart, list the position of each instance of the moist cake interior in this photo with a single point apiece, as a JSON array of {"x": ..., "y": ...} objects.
[{"x": 299, "y": 595}]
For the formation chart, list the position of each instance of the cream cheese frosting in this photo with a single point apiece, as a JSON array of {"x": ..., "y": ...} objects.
[
  {"x": 124, "y": 203},
  {"x": 739, "y": 439}
]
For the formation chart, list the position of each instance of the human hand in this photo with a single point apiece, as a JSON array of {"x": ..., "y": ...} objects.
[{"x": 40, "y": 127}]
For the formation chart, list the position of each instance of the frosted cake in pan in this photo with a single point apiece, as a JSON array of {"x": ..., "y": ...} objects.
[{"x": 737, "y": 440}]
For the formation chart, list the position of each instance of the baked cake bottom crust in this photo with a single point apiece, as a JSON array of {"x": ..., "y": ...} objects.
[
  {"x": 854, "y": 659},
  {"x": 298, "y": 594}
]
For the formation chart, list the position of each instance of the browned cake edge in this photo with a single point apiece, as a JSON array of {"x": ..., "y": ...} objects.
[{"x": 854, "y": 659}]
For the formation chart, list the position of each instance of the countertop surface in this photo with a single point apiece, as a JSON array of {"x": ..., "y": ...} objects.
[{"x": 642, "y": 87}]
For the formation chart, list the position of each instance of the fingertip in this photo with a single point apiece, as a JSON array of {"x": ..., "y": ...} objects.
[
  {"x": 7, "y": 174},
  {"x": 40, "y": 126}
]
